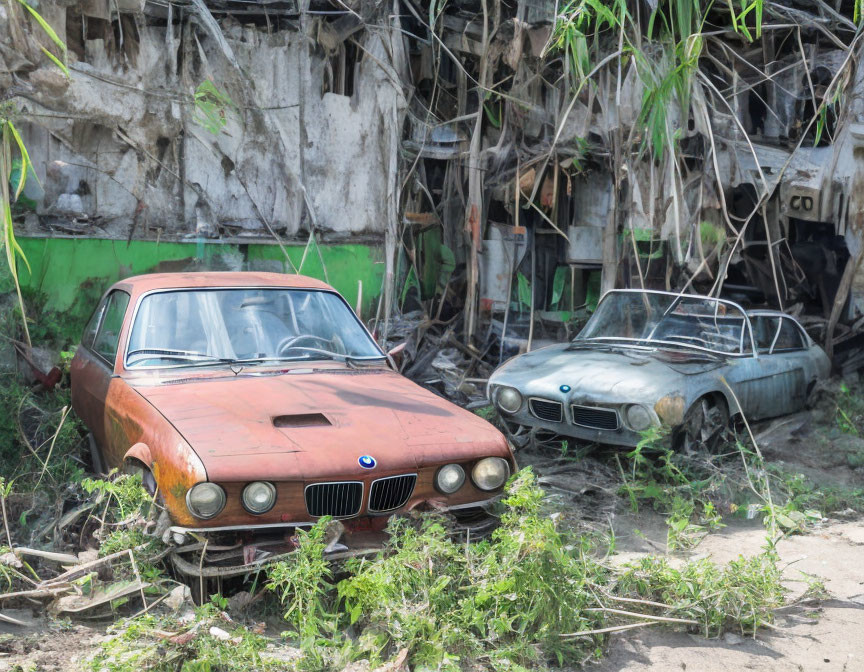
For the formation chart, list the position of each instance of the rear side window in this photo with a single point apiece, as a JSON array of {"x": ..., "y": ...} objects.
[
  {"x": 789, "y": 337},
  {"x": 90, "y": 330},
  {"x": 764, "y": 331},
  {"x": 108, "y": 336}
]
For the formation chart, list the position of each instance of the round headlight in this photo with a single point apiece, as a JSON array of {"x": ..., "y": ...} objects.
[
  {"x": 509, "y": 399},
  {"x": 450, "y": 478},
  {"x": 490, "y": 473},
  {"x": 259, "y": 497},
  {"x": 205, "y": 500},
  {"x": 638, "y": 417}
]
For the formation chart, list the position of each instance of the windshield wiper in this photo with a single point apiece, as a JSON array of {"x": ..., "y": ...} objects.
[
  {"x": 188, "y": 355},
  {"x": 575, "y": 344},
  {"x": 264, "y": 360},
  {"x": 319, "y": 356}
]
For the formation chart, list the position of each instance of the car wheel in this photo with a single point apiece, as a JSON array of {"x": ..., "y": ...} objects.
[{"x": 704, "y": 427}]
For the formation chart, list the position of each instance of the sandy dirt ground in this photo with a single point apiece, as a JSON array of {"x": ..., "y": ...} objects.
[{"x": 825, "y": 636}]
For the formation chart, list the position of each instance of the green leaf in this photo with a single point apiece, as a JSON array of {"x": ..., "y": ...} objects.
[
  {"x": 447, "y": 265},
  {"x": 26, "y": 163},
  {"x": 558, "y": 285},
  {"x": 60, "y": 64},
  {"x": 212, "y": 107},
  {"x": 524, "y": 290},
  {"x": 45, "y": 26}
]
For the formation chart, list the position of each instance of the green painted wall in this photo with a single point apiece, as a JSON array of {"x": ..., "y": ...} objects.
[{"x": 74, "y": 272}]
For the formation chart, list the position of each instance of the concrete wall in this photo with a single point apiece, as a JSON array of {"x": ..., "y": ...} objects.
[{"x": 74, "y": 272}]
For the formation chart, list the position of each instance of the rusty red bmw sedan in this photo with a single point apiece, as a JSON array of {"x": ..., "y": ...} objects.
[{"x": 259, "y": 402}]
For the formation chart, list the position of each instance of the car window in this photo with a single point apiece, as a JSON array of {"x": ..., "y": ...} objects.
[
  {"x": 789, "y": 337},
  {"x": 93, "y": 324},
  {"x": 105, "y": 343},
  {"x": 764, "y": 331},
  {"x": 201, "y": 326}
]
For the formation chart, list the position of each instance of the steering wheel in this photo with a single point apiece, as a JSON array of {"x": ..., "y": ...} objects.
[{"x": 288, "y": 343}]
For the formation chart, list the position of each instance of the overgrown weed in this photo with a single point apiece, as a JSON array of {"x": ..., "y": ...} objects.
[
  {"x": 202, "y": 640},
  {"x": 28, "y": 424},
  {"x": 742, "y": 595},
  {"x": 676, "y": 485}
]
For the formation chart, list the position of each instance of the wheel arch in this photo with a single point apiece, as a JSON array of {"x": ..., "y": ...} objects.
[{"x": 139, "y": 460}]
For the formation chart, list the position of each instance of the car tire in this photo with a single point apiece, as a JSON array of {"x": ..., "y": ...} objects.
[{"x": 704, "y": 428}]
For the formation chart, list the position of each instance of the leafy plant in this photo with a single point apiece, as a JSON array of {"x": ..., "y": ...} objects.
[
  {"x": 9, "y": 137},
  {"x": 212, "y": 107},
  {"x": 124, "y": 492},
  {"x": 209, "y": 641},
  {"x": 844, "y": 411},
  {"x": 49, "y": 31},
  {"x": 743, "y": 594},
  {"x": 303, "y": 585}
]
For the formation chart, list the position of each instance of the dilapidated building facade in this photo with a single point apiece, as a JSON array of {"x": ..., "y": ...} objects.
[{"x": 505, "y": 161}]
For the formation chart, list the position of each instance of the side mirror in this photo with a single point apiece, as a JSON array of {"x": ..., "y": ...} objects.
[{"x": 396, "y": 356}]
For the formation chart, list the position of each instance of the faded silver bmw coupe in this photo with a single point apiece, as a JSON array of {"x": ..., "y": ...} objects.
[{"x": 650, "y": 359}]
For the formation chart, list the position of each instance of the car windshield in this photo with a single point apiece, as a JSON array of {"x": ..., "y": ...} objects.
[
  {"x": 656, "y": 318},
  {"x": 211, "y": 326}
]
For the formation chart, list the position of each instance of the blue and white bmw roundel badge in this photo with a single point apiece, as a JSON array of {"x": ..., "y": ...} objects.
[
  {"x": 367, "y": 461},
  {"x": 564, "y": 388}
]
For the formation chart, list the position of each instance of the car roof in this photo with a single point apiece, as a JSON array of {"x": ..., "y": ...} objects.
[
  {"x": 154, "y": 281},
  {"x": 768, "y": 312}
]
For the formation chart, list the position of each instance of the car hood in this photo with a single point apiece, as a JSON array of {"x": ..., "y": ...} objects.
[
  {"x": 316, "y": 424},
  {"x": 612, "y": 375}
]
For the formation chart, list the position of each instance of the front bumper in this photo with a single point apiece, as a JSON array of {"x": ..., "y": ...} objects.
[
  {"x": 516, "y": 423},
  {"x": 238, "y": 550}
]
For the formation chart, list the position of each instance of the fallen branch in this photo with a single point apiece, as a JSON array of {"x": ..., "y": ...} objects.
[
  {"x": 633, "y": 614},
  {"x": 37, "y": 592},
  {"x": 62, "y": 558},
  {"x": 614, "y": 628}
]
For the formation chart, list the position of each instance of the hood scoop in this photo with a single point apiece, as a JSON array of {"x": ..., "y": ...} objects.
[{"x": 301, "y": 420}]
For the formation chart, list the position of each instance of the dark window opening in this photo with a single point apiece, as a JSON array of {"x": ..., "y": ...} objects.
[
  {"x": 757, "y": 110},
  {"x": 340, "y": 70}
]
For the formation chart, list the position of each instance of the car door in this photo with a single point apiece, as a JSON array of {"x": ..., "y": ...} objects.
[
  {"x": 791, "y": 362},
  {"x": 93, "y": 366},
  {"x": 774, "y": 382}
]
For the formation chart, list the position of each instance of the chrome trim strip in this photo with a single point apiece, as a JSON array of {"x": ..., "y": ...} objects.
[
  {"x": 388, "y": 478},
  {"x": 240, "y": 528}
]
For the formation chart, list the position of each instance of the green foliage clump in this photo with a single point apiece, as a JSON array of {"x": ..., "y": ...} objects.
[
  {"x": 802, "y": 494},
  {"x": 28, "y": 424},
  {"x": 742, "y": 594},
  {"x": 304, "y": 586},
  {"x": 655, "y": 474},
  {"x": 128, "y": 497},
  {"x": 141, "y": 644},
  {"x": 506, "y": 600},
  {"x": 122, "y": 539},
  {"x": 510, "y": 602}
]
